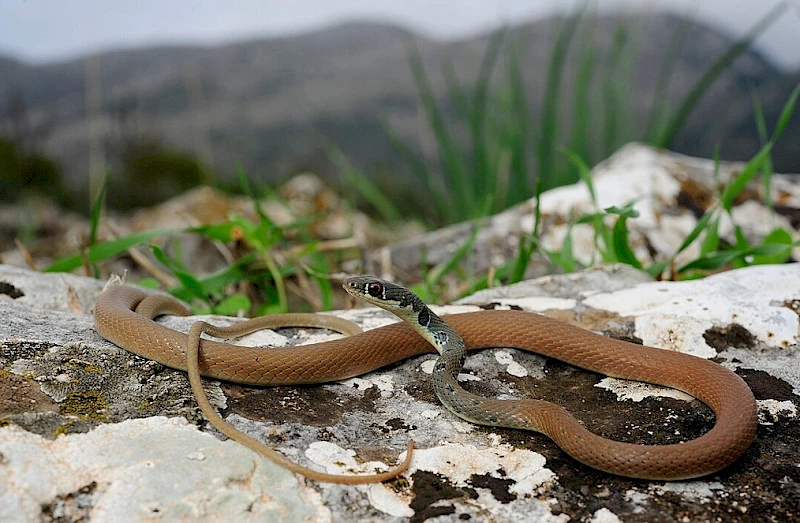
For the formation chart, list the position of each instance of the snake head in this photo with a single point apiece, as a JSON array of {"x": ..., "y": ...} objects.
[
  {"x": 368, "y": 288},
  {"x": 384, "y": 294}
]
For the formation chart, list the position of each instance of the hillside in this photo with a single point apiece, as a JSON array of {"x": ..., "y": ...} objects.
[{"x": 274, "y": 104}]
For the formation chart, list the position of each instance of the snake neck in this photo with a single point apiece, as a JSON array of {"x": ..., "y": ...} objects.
[
  {"x": 452, "y": 351},
  {"x": 452, "y": 355},
  {"x": 434, "y": 329}
]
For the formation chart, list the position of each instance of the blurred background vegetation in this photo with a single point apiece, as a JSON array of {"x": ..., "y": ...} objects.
[
  {"x": 407, "y": 128},
  {"x": 451, "y": 130}
]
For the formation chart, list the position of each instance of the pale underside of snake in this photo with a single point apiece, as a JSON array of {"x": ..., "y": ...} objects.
[{"x": 123, "y": 315}]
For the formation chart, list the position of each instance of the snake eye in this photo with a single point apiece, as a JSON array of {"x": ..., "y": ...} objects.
[{"x": 374, "y": 289}]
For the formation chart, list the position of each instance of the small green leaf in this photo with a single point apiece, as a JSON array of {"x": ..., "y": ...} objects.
[
  {"x": 713, "y": 261},
  {"x": 657, "y": 269},
  {"x": 622, "y": 249},
  {"x": 233, "y": 305},
  {"x": 777, "y": 237},
  {"x": 628, "y": 210},
  {"x": 148, "y": 283},
  {"x": 217, "y": 231}
]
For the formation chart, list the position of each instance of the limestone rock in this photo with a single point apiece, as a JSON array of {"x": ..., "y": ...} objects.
[{"x": 88, "y": 430}]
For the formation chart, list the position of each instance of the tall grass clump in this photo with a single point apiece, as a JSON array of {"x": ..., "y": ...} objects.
[
  {"x": 611, "y": 237},
  {"x": 496, "y": 144}
]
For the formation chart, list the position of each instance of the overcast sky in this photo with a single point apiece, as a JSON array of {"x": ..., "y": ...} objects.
[{"x": 50, "y": 30}]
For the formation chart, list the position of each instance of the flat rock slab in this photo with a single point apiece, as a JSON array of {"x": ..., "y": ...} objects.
[{"x": 89, "y": 431}]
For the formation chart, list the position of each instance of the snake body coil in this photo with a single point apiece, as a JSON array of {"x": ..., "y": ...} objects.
[{"x": 719, "y": 388}]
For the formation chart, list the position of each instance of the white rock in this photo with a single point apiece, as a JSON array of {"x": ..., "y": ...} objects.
[{"x": 145, "y": 469}]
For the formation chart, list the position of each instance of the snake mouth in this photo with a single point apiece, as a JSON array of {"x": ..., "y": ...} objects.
[{"x": 363, "y": 286}]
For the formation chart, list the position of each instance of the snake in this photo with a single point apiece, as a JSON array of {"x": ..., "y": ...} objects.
[{"x": 422, "y": 331}]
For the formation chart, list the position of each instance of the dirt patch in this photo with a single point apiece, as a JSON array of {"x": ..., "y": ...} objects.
[
  {"x": 732, "y": 335},
  {"x": 74, "y": 506},
  {"x": 430, "y": 490},
  {"x": 499, "y": 487},
  {"x": 767, "y": 387},
  {"x": 10, "y": 290},
  {"x": 310, "y": 405}
]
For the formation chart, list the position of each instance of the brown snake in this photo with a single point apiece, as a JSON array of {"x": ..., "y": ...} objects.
[{"x": 719, "y": 388}]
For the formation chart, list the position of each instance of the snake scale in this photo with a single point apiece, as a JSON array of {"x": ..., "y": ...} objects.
[{"x": 117, "y": 320}]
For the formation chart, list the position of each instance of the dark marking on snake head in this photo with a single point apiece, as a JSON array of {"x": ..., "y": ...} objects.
[
  {"x": 450, "y": 389},
  {"x": 491, "y": 419},
  {"x": 462, "y": 358},
  {"x": 424, "y": 317},
  {"x": 439, "y": 367},
  {"x": 409, "y": 298},
  {"x": 404, "y": 300},
  {"x": 441, "y": 337}
]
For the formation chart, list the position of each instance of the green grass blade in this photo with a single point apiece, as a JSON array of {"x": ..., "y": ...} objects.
[
  {"x": 435, "y": 199},
  {"x": 675, "y": 124},
  {"x": 786, "y": 113},
  {"x": 527, "y": 247},
  {"x": 549, "y": 124},
  {"x": 216, "y": 283},
  {"x": 440, "y": 271},
  {"x": 565, "y": 258},
  {"x": 611, "y": 89},
  {"x": 247, "y": 188},
  {"x": 720, "y": 260},
  {"x": 454, "y": 170},
  {"x": 187, "y": 279},
  {"x": 519, "y": 185},
  {"x": 712, "y": 261},
  {"x": 743, "y": 178},
  {"x": 710, "y": 242},
  {"x": 761, "y": 127},
  {"x": 359, "y": 182},
  {"x": 370, "y": 192},
  {"x": 105, "y": 250},
  {"x": 657, "y": 269},
  {"x": 758, "y": 114},
  {"x": 483, "y": 173},
  {"x": 584, "y": 173},
  {"x": 666, "y": 72},
  {"x": 582, "y": 110},
  {"x": 97, "y": 208},
  {"x": 455, "y": 91}
]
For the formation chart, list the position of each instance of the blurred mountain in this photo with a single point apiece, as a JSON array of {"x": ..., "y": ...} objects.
[{"x": 275, "y": 105}]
